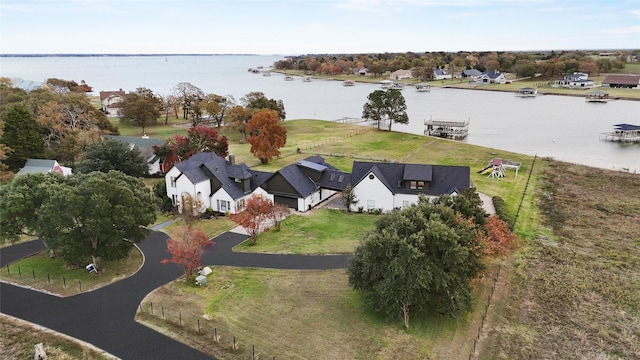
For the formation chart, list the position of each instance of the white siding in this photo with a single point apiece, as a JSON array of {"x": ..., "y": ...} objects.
[{"x": 374, "y": 190}]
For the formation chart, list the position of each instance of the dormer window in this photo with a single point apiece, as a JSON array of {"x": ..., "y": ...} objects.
[
  {"x": 341, "y": 178},
  {"x": 333, "y": 176},
  {"x": 237, "y": 180}
]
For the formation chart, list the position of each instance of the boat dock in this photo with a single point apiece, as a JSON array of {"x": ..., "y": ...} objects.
[
  {"x": 625, "y": 133},
  {"x": 456, "y": 130}
]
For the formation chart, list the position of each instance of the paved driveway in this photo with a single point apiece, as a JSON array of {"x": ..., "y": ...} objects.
[{"x": 105, "y": 317}]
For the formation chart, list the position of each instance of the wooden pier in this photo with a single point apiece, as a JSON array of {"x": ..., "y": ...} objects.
[
  {"x": 456, "y": 130},
  {"x": 625, "y": 133}
]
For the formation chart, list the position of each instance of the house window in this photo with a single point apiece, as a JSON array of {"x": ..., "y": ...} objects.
[
  {"x": 332, "y": 177},
  {"x": 371, "y": 205},
  {"x": 223, "y": 205},
  {"x": 341, "y": 178},
  {"x": 174, "y": 199},
  {"x": 413, "y": 185},
  {"x": 173, "y": 181},
  {"x": 420, "y": 184},
  {"x": 240, "y": 204},
  {"x": 406, "y": 204}
]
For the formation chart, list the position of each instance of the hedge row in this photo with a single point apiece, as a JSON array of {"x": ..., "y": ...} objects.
[{"x": 502, "y": 211}]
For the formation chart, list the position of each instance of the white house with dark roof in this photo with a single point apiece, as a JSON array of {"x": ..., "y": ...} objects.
[
  {"x": 215, "y": 182},
  {"x": 492, "y": 77},
  {"x": 440, "y": 74},
  {"x": 575, "y": 80},
  {"x": 388, "y": 186},
  {"x": 305, "y": 184}
]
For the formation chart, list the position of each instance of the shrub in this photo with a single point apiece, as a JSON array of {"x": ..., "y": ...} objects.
[{"x": 502, "y": 211}]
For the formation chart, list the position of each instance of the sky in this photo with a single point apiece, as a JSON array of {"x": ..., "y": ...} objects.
[{"x": 295, "y": 27}]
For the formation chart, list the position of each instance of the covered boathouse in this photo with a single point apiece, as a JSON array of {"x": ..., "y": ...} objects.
[{"x": 623, "y": 133}]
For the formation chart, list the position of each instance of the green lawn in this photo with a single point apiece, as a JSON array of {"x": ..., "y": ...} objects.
[
  {"x": 295, "y": 314},
  {"x": 321, "y": 231},
  {"x": 53, "y": 274}
]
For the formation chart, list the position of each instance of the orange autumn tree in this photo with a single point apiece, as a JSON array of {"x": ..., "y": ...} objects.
[
  {"x": 266, "y": 135},
  {"x": 187, "y": 249},
  {"x": 499, "y": 240},
  {"x": 254, "y": 217}
]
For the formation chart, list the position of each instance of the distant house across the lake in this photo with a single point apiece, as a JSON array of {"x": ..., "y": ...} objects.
[
  {"x": 110, "y": 102},
  {"x": 575, "y": 80},
  {"x": 400, "y": 74}
]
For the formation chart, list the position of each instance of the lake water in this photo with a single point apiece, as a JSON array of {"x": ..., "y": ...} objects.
[{"x": 565, "y": 128}]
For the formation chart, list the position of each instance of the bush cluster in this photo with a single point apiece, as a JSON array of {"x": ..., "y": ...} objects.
[{"x": 502, "y": 211}]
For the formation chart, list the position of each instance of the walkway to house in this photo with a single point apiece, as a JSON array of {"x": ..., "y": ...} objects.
[{"x": 105, "y": 317}]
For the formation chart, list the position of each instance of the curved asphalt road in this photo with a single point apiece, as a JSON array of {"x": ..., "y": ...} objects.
[{"x": 105, "y": 317}]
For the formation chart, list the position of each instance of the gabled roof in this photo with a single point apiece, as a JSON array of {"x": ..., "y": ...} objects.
[
  {"x": 300, "y": 182},
  {"x": 443, "y": 179},
  {"x": 107, "y": 94},
  {"x": 622, "y": 80},
  {"x": 145, "y": 145},
  {"x": 437, "y": 71},
  {"x": 42, "y": 166},
  {"x": 206, "y": 165},
  {"x": 472, "y": 72},
  {"x": 335, "y": 180},
  {"x": 492, "y": 74}
]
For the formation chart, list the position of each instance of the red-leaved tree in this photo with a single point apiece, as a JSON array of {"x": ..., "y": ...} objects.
[
  {"x": 187, "y": 250},
  {"x": 266, "y": 135},
  {"x": 254, "y": 218},
  {"x": 499, "y": 240},
  {"x": 279, "y": 213},
  {"x": 201, "y": 138}
]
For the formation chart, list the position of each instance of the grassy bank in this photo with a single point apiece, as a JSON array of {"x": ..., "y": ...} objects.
[
  {"x": 52, "y": 275},
  {"x": 575, "y": 289}
]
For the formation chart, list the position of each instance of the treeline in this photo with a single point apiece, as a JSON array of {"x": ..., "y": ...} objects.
[
  {"x": 523, "y": 64},
  {"x": 54, "y": 122}
]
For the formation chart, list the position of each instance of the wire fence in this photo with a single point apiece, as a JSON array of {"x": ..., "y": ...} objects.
[
  {"x": 202, "y": 331},
  {"x": 30, "y": 277},
  {"x": 475, "y": 351}
]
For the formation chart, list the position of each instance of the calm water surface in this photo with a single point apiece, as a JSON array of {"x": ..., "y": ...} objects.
[{"x": 562, "y": 127}]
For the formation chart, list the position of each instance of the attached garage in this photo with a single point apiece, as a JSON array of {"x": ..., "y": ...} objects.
[{"x": 290, "y": 202}]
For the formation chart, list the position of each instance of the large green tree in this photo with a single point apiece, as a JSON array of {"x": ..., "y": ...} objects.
[
  {"x": 111, "y": 154},
  {"x": 256, "y": 101},
  {"x": 386, "y": 106},
  {"x": 420, "y": 258},
  {"x": 22, "y": 136},
  {"x": 142, "y": 107},
  {"x": 83, "y": 218}
]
